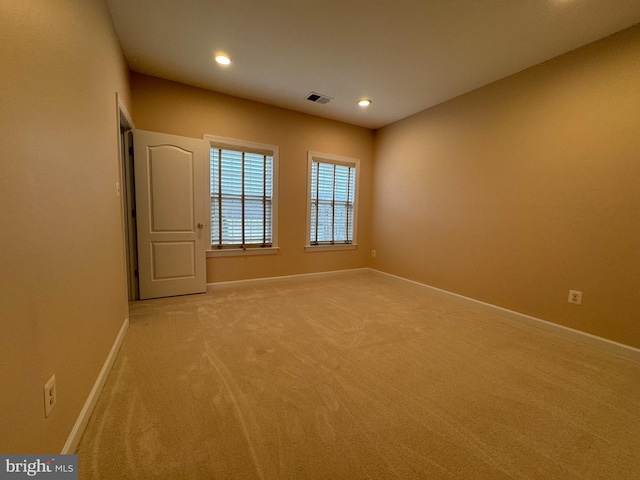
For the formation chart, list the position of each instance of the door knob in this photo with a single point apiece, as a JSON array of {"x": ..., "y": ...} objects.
[{"x": 200, "y": 225}]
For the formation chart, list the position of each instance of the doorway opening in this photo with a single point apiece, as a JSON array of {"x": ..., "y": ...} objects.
[{"x": 127, "y": 180}]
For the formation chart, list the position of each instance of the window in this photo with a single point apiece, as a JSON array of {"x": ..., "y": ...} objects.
[
  {"x": 243, "y": 187},
  {"x": 332, "y": 211}
]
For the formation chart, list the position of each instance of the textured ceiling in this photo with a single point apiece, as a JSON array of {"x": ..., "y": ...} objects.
[{"x": 406, "y": 55}]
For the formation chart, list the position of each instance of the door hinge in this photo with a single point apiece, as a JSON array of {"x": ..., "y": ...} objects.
[
  {"x": 135, "y": 272},
  {"x": 133, "y": 214}
]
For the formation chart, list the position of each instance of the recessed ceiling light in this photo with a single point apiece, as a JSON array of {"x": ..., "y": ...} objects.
[
  {"x": 365, "y": 102},
  {"x": 223, "y": 59}
]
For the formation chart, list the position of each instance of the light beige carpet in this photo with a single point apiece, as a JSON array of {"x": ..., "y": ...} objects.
[{"x": 354, "y": 377}]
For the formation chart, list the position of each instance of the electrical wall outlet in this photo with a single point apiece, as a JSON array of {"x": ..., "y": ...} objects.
[
  {"x": 50, "y": 395},
  {"x": 575, "y": 297}
]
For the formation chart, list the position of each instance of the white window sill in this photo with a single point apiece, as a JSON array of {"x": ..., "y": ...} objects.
[
  {"x": 239, "y": 252},
  {"x": 329, "y": 248}
]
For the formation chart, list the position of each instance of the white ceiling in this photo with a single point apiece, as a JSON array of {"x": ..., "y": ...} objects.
[{"x": 406, "y": 55}]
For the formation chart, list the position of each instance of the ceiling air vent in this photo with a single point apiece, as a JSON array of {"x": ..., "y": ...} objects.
[{"x": 318, "y": 98}]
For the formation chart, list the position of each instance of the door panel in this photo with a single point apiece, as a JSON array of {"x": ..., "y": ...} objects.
[
  {"x": 173, "y": 260},
  {"x": 171, "y": 188},
  {"x": 171, "y": 196}
]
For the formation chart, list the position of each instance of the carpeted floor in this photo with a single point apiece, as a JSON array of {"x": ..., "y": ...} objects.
[{"x": 357, "y": 376}]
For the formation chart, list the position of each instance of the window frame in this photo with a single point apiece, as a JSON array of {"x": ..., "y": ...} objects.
[
  {"x": 334, "y": 160},
  {"x": 215, "y": 141}
]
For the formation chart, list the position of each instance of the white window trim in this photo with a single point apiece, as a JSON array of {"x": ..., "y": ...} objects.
[
  {"x": 232, "y": 252},
  {"x": 215, "y": 140},
  {"x": 340, "y": 160}
]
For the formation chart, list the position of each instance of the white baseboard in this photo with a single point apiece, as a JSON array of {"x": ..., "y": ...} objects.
[
  {"x": 615, "y": 348},
  {"x": 81, "y": 423},
  {"x": 257, "y": 281}
]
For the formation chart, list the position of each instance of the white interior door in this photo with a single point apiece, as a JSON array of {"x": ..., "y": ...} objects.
[{"x": 171, "y": 195}]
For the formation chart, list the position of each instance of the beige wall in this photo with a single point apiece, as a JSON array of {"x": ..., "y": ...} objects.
[
  {"x": 519, "y": 191},
  {"x": 169, "y": 107},
  {"x": 62, "y": 284}
]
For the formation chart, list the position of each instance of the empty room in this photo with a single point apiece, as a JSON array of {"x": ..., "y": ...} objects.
[{"x": 319, "y": 239}]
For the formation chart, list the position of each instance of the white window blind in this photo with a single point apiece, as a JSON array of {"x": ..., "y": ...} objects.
[
  {"x": 332, "y": 203},
  {"x": 241, "y": 198}
]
